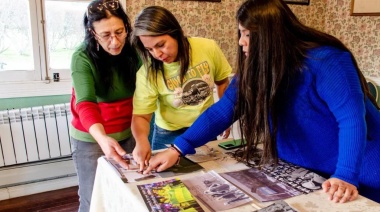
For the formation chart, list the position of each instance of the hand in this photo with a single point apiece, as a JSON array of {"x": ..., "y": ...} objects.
[
  {"x": 141, "y": 154},
  {"x": 226, "y": 133},
  {"x": 113, "y": 150},
  {"x": 339, "y": 190},
  {"x": 162, "y": 160}
]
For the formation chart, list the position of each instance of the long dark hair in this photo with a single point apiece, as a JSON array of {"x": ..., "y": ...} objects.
[
  {"x": 127, "y": 62},
  {"x": 157, "y": 21},
  {"x": 278, "y": 46}
]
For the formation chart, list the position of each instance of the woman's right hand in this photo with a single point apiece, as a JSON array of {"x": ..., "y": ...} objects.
[
  {"x": 141, "y": 154},
  {"x": 110, "y": 147},
  {"x": 112, "y": 150}
]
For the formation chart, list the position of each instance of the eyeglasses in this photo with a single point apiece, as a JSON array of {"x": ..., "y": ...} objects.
[
  {"x": 108, "y": 37},
  {"x": 109, "y": 5}
]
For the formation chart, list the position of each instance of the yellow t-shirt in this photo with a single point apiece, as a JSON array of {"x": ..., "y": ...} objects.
[{"x": 177, "y": 106}]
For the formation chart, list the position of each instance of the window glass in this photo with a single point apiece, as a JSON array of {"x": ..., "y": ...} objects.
[
  {"x": 15, "y": 36},
  {"x": 64, "y": 26}
]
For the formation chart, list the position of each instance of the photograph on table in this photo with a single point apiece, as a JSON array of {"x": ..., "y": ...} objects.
[
  {"x": 184, "y": 166},
  {"x": 132, "y": 174},
  {"x": 215, "y": 192},
  {"x": 169, "y": 195},
  {"x": 205, "y": 153},
  {"x": 259, "y": 185},
  {"x": 278, "y": 206},
  {"x": 297, "y": 177}
]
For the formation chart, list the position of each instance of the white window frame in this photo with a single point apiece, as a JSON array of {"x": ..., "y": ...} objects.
[{"x": 37, "y": 82}]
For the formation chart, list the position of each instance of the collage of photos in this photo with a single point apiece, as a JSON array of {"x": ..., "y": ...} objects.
[{"x": 168, "y": 196}]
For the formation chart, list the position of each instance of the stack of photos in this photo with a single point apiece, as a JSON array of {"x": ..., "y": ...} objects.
[
  {"x": 279, "y": 206},
  {"x": 275, "y": 182},
  {"x": 215, "y": 192},
  {"x": 168, "y": 196}
]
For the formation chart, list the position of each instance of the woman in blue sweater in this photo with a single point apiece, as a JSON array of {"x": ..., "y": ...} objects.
[{"x": 300, "y": 92}]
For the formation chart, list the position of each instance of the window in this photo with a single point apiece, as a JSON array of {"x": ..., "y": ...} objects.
[{"x": 37, "y": 38}]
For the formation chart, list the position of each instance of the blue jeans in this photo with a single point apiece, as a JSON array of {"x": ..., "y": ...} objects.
[
  {"x": 85, "y": 156},
  {"x": 161, "y": 137}
]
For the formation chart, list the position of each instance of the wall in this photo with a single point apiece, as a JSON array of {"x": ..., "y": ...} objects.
[
  {"x": 217, "y": 21},
  {"x": 359, "y": 33},
  {"x": 204, "y": 19}
]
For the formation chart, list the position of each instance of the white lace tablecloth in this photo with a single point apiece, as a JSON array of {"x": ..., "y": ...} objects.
[{"x": 112, "y": 194}]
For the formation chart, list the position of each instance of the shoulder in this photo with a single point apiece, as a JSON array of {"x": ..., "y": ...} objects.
[
  {"x": 80, "y": 49},
  {"x": 204, "y": 46},
  {"x": 199, "y": 42},
  {"x": 326, "y": 52},
  {"x": 327, "y": 58},
  {"x": 142, "y": 70},
  {"x": 80, "y": 60},
  {"x": 80, "y": 52}
]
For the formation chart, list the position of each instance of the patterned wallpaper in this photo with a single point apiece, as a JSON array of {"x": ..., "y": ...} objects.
[
  {"x": 360, "y": 33},
  {"x": 217, "y": 21}
]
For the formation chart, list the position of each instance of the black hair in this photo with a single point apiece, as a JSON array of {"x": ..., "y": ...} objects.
[
  {"x": 126, "y": 63},
  {"x": 157, "y": 21}
]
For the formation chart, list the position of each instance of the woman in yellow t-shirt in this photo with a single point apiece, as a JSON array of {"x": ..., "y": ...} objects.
[{"x": 176, "y": 82}]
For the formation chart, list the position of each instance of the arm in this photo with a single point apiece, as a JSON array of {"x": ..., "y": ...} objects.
[
  {"x": 221, "y": 74},
  {"x": 109, "y": 146},
  {"x": 337, "y": 83},
  {"x": 86, "y": 106},
  {"x": 144, "y": 104},
  {"x": 221, "y": 87},
  {"x": 208, "y": 125},
  {"x": 140, "y": 131}
]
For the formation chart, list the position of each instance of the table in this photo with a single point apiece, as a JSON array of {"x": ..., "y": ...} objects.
[{"x": 112, "y": 194}]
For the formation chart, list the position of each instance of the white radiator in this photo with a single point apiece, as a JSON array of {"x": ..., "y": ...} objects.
[{"x": 34, "y": 134}]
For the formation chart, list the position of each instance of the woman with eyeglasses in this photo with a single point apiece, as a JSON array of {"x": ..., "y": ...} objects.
[
  {"x": 300, "y": 93},
  {"x": 176, "y": 81},
  {"x": 104, "y": 73}
]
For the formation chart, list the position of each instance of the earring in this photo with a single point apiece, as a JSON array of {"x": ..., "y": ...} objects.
[{"x": 97, "y": 46}]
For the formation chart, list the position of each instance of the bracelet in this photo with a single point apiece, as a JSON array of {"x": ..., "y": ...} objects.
[
  {"x": 179, "y": 153},
  {"x": 176, "y": 149}
]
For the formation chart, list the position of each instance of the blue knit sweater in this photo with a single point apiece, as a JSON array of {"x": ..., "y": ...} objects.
[{"x": 325, "y": 125}]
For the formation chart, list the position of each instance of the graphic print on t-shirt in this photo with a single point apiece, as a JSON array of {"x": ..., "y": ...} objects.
[
  {"x": 196, "y": 88},
  {"x": 195, "y": 92}
]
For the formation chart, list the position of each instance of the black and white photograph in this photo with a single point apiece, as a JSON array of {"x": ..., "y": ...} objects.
[
  {"x": 278, "y": 206},
  {"x": 215, "y": 192},
  {"x": 259, "y": 185},
  {"x": 205, "y": 153},
  {"x": 132, "y": 174},
  {"x": 297, "y": 177}
]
